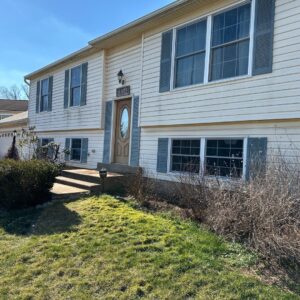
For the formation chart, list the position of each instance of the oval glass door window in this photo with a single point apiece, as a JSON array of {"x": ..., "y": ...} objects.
[{"x": 124, "y": 124}]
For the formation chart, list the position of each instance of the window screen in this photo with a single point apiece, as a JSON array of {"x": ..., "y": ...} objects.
[
  {"x": 190, "y": 54},
  {"x": 230, "y": 43},
  {"x": 75, "y": 86},
  {"x": 185, "y": 156},
  {"x": 44, "y": 95},
  {"x": 224, "y": 157},
  {"x": 76, "y": 149}
]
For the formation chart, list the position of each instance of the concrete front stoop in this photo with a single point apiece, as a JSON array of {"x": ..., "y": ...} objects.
[{"x": 76, "y": 182}]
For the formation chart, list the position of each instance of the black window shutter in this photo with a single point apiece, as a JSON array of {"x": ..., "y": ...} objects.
[
  {"x": 135, "y": 134},
  {"x": 165, "y": 61},
  {"x": 107, "y": 131},
  {"x": 162, "y": 155},
  {"x": 84, "y": 150},
  {"x": 66, "y": 92},
  {"x": 256, "y": 157},
  {"x": 84, "y": 70},
  {"x": 263, "y": 37},
  {"x": 38, "y": 92},
  {"x": 50, "y": 91}
]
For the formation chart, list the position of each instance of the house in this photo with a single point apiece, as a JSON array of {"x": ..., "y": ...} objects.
[
  {"x": 10, "y": 127},
  {"x": 197, "y": 85},
  {"x": 11, "y": 107}
]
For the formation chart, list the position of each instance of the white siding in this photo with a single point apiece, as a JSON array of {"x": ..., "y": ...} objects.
[
  {"x": 6, "y": 138},
  {"x": 270, "y": 96},
  {"x": 284, "y": 136},
  {"x": 81, "y": 117},
  {"x": 127, "y": 58},
  {"x": 95, "y": 146}
]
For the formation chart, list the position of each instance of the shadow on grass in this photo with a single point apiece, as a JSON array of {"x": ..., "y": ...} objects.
[{"x": 51, "y": 219}]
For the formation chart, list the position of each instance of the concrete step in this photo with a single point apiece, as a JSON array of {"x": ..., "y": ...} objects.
[
  {"x": 61, "y": 191},
  {"x": 84, "y": 185},
  {"x": 82, "y": 175}
]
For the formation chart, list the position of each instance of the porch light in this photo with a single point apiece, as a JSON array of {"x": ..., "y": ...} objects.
[{"x": 121, "y": 77}]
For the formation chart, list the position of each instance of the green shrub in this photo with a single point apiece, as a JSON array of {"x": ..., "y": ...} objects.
[{"x": 25, "y": 183}]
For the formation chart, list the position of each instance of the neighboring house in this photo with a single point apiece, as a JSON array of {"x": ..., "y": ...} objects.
[
  {"x": 207, "y": 85},
  {"x": 8, "y": 128},
  {"x": 11, "y": 107}
]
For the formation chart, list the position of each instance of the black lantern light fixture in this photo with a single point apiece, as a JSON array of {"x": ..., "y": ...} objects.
[
  {"x": 121, "y": 77},
  {"x": 15, "y": 133},
  {"x": 103, "y": 175}
]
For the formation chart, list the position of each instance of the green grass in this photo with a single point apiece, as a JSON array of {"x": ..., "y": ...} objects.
[{"x": 101, "y": 248}]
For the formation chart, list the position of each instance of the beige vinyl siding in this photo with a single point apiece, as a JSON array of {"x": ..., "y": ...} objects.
[
  {"x": 269, "y": 96},
  {"x": 283, "y": 136},
  {"x": 80, "y": 117},
  {"x": 126, "y": 57},
  {"x": 95, "y": 146}
]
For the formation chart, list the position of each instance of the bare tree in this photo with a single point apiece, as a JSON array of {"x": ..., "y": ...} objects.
[{"x": 15, "y": 92}]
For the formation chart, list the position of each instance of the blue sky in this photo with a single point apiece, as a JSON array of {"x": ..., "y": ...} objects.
[{"x": 36, "y": 32}]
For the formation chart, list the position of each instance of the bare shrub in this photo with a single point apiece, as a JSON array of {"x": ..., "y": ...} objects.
[
  {"x": 264, "y": 212},
  {"x": 141, "y": 187}
]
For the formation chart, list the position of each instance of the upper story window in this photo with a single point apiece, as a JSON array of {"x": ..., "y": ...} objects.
[
  {"x": 75, "y": 86},
  {"x": 230, "y": 43},
  {"x": 190, "y": 54},
  {"x": 238, "y": 41},
  {"x": 75, "y": 93},
  {"x": 44, "y": 95},
  {"x": 44, "y": 91}
]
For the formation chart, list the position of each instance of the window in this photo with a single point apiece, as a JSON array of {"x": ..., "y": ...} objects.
[
  {"x": 230, "y": 43},
  {"x": 190, "y": 54},
  {"x": 75, "y": 86},
  {"x": 44, "y": 95},
  {"x": 45, "y": 142},
  {"x": 76, "y": 149},
  {"x": 224, "y": 157},
  {"x": 185, "y": 156}
]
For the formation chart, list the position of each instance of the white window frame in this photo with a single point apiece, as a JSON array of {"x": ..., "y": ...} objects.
[
  {"x": 171, "y": 154},
  {"x": 41, "y": 96},
  {"x": 203, "y": 143},
  {"x": 71, "y": 141},
  {"x": 70, "y": 85},
  {"x": 207, "y": 63}
]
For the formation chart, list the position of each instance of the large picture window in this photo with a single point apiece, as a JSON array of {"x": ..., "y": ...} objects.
[
  {"x": 190, "y": 54},
  {"x": 44, "y": 95},
  {"x": 75, "y": 86},
  {"x": 185, "y": 156},
  {"x": 224, "y": 157},
  {"x": 230, "y": 43}
]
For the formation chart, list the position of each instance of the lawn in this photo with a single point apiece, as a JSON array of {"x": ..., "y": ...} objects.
[{"x": 103, "y": 248}]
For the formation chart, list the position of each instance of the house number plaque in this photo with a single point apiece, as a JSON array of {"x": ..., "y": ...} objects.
[{"x": 123, "y": 91}]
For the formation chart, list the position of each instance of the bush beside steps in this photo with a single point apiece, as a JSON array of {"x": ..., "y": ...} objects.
[{"x": 25, "y": 184}]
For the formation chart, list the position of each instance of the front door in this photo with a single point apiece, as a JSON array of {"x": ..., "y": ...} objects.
[{"x": 122, "y": 132}]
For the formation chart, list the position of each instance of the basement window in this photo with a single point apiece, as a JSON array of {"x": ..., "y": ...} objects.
[
  {"x": 224, "y": 157},
  {"x": 76, "y": 149},
  {"x": 185, "y": 156}
]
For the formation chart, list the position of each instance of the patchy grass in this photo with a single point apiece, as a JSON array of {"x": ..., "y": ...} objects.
[{"x": 101, "y": 248}]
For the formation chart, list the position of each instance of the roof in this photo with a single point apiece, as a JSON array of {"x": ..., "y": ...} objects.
[
  {"x": 13, "y": 105},
  {"x": 18, "y": 119},
  {"x": 130, "y": 31}
]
